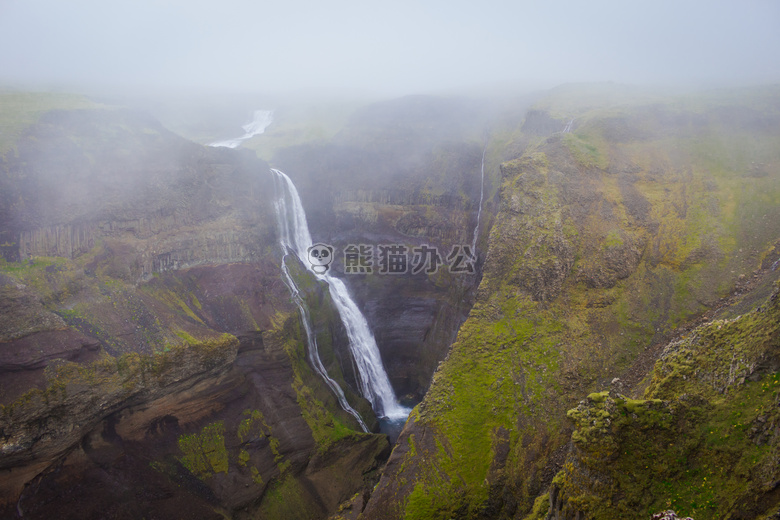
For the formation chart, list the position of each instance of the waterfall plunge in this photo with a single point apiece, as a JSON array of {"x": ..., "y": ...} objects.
[{"x": 294, "y": 237}]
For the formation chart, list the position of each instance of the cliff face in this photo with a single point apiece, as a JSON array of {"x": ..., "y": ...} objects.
[
  {"x": 82, "y": 178},
  {"x": 151, "y": 361},
  {"x": 234, "y": 427},
  {"x": 404, "y": 172},
  {"x": 606, "y": 240}
]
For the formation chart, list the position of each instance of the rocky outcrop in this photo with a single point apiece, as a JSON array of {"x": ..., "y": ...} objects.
[
  {"x": 606, "y": 240},
  {"x": 703, "y": 438}
]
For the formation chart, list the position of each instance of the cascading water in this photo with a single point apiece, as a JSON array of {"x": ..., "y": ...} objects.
[
  {"x": 292, "y": 234},
  {"x": 294, "y": 237},
  {"x": 261, "y": 119},
  {"x": 481, "y": 197}
]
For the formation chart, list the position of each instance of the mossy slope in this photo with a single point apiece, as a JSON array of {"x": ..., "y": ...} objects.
[
  {"x": 703, "y": 440},
  {"x": 607, "y": 239}
]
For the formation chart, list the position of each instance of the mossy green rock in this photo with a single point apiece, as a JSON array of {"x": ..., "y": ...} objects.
[
  {"x": 607, "y": 239},
  {"x": 704, "y": 440}
]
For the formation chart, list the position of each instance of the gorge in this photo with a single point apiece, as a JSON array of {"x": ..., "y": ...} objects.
[{"x": 169, "y": 351}]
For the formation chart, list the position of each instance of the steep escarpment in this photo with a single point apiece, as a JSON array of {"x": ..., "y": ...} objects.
[
  {"x": 151, "y": 361},
  {"x": 607, "y": 239}
]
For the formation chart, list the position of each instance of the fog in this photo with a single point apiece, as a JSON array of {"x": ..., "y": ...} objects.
[{"x": 395, "y": 48}]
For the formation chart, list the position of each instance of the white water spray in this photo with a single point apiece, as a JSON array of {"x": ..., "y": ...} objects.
[
  {"x": 261, "y": 119},
  {"x": 294, "y": 236}
]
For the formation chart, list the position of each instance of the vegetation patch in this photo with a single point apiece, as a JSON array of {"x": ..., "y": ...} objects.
[
  {"x": 204, "y": 453},
  {"x": 286, "y": 498},
  {"x": 708, "y": 449}
]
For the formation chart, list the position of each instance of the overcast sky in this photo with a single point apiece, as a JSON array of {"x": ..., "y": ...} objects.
[{"x": 390, "y": 46}]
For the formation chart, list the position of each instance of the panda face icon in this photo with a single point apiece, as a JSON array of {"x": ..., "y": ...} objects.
[{"x": 320, "y": 257}]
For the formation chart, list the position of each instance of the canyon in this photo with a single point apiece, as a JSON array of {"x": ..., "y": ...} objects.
[{"x": 622, "y": 304}]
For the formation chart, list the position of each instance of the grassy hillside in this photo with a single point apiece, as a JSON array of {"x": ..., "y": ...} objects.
[{"x": 19, "y": 110}]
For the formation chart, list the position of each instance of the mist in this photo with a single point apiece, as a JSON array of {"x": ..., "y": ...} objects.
[{"x": 389, "y": 48}]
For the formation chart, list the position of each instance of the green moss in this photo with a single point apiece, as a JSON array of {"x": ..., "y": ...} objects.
[
  {"x": 204, "y": 453},
  {"x": 597, "y": 397},
  {"x": 186, "y": 337},
  {"x": 613, "y": 239},
  {"x": 706, "y": 450},
  {"x": 243, "y": 457},
  {"x": 587, "y": 149},
  {"x": 326, "y": 428},
  {"x": 497, "y": 370},
  {"x": 540, "y": 508},
  {"x": 253, "y": 426},
  {"x": 173, "y": 300},
  {"x": 286, "y": 498},
  {"x": 257, "y": 478}
]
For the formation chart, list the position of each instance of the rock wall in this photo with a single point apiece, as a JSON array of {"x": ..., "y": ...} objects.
[
  {"x": 79, "y": 178},
  {"x": 703, "y": 439}
]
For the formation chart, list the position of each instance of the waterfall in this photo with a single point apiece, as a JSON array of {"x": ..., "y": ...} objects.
[
  {"x": 261, "y": 119},
  {"x": 481, "y": 197},
  {"x": 294, "y": 237}
]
